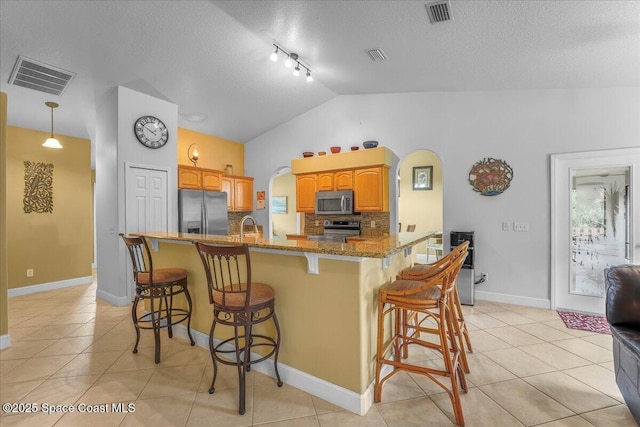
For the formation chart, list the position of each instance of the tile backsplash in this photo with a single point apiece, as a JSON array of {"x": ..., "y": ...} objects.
[{"x": 381, "y": 221}]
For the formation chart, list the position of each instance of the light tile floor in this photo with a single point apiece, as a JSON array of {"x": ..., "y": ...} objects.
[{"x": 69, "y": 348}]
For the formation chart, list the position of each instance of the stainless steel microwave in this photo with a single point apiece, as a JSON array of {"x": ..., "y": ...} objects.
[{"x": 334, "y": 202}]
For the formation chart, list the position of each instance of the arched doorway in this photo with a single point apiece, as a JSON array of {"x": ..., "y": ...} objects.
[
  {"x": 419, "y": 195},
  {"x": 283, "y": 218}
]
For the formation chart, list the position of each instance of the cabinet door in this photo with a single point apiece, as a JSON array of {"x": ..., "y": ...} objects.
[
  {"x": 189, "y": 177},
  {"x": 244, "y": 194},
  {"x": 306, "y": 193},
  {"x": 325, "y": 181},
  {"x": 344, "y": 180},
  {"x": 227, "y": 187},
  {"x": 371, "y": 189},
  {"x": 211, "y": 180}
]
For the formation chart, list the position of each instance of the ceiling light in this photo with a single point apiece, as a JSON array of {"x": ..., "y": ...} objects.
[
  {"x": 291, "y": 58},
  {"x": 274, "y": 55},
  {"x": 52, "y": 142}
]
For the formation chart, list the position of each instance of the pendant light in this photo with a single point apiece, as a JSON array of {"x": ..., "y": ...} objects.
[{"x": 52, "y": 142}]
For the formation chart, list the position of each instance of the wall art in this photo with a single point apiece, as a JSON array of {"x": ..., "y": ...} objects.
[
  {"x": 490, "y": 176},
  {"x": 38, "y": 187},
  {"x": 423, "y": 178},
  {"x": 279, "y": 204}
]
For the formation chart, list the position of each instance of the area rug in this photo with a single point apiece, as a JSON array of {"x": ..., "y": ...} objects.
[{"x": 585, "y": 322}]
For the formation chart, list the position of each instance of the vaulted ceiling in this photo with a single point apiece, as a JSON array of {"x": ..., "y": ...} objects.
[{"x": 211, "y": 58}]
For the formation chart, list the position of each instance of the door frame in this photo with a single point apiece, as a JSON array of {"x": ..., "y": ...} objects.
[{"x": 561, "y": 208}]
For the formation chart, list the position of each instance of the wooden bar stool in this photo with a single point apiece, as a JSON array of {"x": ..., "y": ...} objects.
[
  {"x": 430, "y": 300},
  {"x": 422, "y": 272},
  {"x": 158, "y": 286},
  {"x": 241, "y": 304}
]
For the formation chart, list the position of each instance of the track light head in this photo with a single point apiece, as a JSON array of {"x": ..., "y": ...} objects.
[
  {"x": 274, "y": 55},
  {"x": 309, "y": 78},
  {"x": 296, "y": 71}
]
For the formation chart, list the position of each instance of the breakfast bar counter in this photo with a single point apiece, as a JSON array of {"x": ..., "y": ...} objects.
[{"x": 326, "y": 302}]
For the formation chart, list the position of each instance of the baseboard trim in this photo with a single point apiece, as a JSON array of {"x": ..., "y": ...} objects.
[
  {"x": 112, "y": 299},
  {"x": 347, "y": 399},
  {"x": 5, "y": 341},
  {"x": 513, "y": 299},
  {"x": 32, "y": 289}
]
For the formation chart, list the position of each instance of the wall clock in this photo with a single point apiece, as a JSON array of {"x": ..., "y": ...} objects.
[{"x": 151, "y": 132}]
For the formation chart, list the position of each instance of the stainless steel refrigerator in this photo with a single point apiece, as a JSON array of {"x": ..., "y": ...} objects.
[{"x": 202, "y": 212}]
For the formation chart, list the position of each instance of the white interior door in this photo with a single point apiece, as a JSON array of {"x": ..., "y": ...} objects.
[
  {"x": 594, "y": 198},
  {"x": 146, "y": 207}
]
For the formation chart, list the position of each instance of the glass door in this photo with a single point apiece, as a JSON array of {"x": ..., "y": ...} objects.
[
  {"x": 593, "y": 199},
  {"x": 599, "y": 226}
]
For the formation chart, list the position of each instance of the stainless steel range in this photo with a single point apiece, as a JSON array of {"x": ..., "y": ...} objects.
[{"x": 337, "y": 231}]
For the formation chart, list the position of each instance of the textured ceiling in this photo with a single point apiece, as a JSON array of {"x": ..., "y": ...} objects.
[{"x": 211, "y": 58}]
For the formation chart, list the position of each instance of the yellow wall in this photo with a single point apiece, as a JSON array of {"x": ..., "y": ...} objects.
[
  {"x": 58, "y": 245},
  {"x": 421, "y": 207},
  {"x": 283, "y": 224},
  {"x": 215, "y": 153},
  {"x": 4, "y": 322}
]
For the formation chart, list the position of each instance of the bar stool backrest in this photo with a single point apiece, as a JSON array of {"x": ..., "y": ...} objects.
[
  {"x": 228, "y": 270},
  {"x": 140, "y": 256},
  {"x": 432, "y": 269}
]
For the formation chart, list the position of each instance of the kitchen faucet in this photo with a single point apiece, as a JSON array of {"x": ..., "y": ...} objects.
[{"x": 244, "y": 219}]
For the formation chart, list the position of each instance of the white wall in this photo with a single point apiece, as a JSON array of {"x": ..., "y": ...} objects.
[
  {"x": 521, "y": 127},
  {"x": 116, "y": 145}
]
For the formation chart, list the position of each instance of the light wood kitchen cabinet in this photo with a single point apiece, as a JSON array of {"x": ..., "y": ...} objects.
[
  {"x": 211, "y": 180},
  {"x": 306, "y": 187},
  {"x": 325, "y": 181},
  {"x": 333, "y": 181},
  {"x": 344, "y": 180},
  {"x": 371, "y": 189},
  {"x": 239, "y": 191},
  {"x": 190, "y": 177}
]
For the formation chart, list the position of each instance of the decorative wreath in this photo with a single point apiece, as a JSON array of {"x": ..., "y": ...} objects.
[{"x": 490, "y": 176}]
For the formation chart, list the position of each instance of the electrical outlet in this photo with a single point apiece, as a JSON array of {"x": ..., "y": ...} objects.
[
  {"x": 521, "y": 226},
  {"x": 29, "y": 272},
  {"x": 317, "y": 223},
  {"x": 505, "y": 226},
  {"x": 486, "y": 276},
  {"x": 373, "y": 224}
]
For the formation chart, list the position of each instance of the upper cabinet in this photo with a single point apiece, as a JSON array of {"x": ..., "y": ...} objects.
[
  {"x": 371, "y": 189},
  {"x": 366, "y": 172},
  {"x": 239, "y": 191},
  {"x": 306, "y": 187},
  {"x": 189, "y": 177}
]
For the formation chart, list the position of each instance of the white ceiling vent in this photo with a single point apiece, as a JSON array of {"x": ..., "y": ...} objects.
[
  {"x": 39, "y": 76},
  {"x": 439, "y": 11},
  {"x": 377, "y": 54}
]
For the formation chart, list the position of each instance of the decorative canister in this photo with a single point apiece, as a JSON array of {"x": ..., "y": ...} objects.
[{"x": 228, "y": 169}]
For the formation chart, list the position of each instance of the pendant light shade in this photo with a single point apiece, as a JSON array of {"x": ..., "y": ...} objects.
[{"x": 52, "y": 142}]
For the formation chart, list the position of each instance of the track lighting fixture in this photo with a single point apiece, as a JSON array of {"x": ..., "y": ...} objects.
[
  {"x": 291, "y": 59},
  {"x": 274, "y": 55}
]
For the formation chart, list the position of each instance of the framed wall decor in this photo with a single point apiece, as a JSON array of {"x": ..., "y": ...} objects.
[
  {"x": 279, "y": 204},
  {"x": 423, "y": 178}
]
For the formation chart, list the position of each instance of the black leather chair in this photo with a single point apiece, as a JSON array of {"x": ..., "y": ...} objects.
[{"x": 623, "y": 315}]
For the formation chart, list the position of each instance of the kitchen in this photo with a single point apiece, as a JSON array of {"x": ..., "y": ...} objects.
[{"x": 523, "y": 126}]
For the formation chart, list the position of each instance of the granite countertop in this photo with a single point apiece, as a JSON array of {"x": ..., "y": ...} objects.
[{"x": 371, "y": 248}]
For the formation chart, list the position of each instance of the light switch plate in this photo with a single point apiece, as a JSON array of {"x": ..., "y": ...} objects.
[{"x": 521, "y": 226}]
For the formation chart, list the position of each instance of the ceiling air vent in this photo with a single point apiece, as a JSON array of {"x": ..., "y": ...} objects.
[
  {"x": 39, "y": 76},
  {"x": 439, "y": 11},
  {"x": 377, "y": 54}
]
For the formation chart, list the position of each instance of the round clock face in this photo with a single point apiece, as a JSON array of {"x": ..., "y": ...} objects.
[{"x": 151, "y": 132}]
